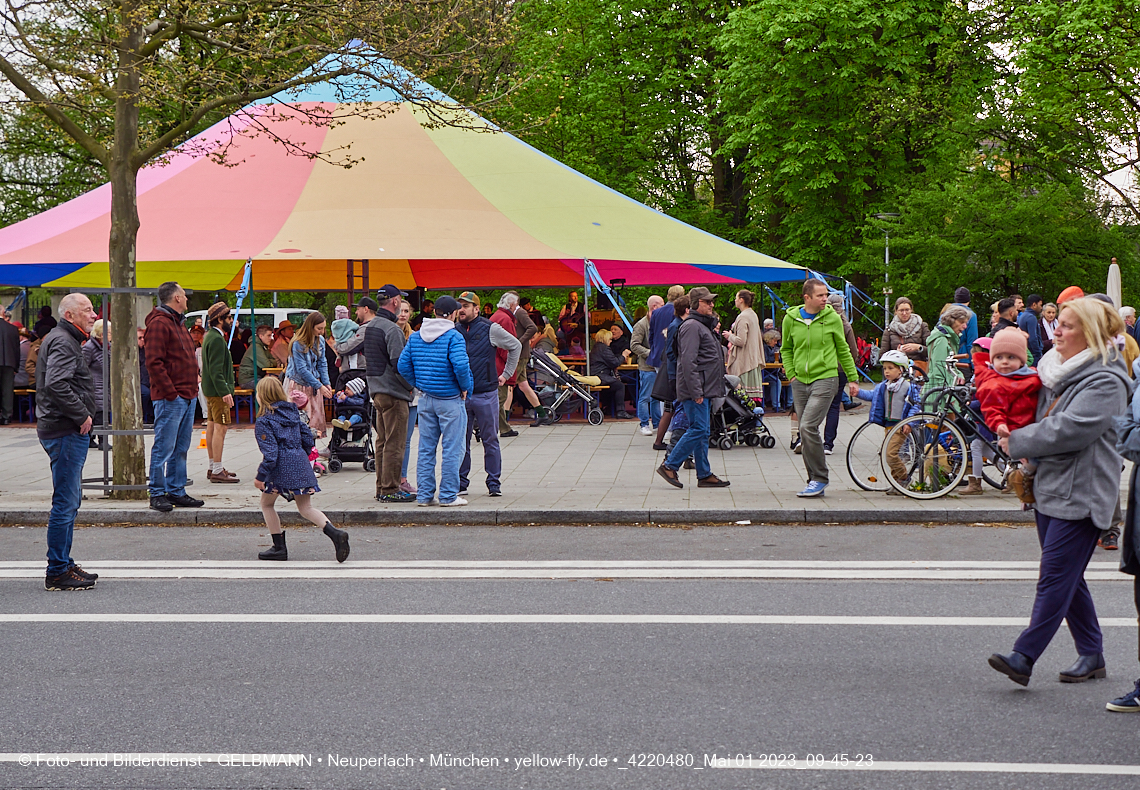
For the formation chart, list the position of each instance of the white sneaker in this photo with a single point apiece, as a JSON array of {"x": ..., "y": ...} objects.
[
  {"x": 457, "y": 502},
  {"x": 647, "y": 430}
]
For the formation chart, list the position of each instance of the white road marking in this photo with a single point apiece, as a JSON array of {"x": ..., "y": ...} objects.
[
  {"x": 957, "y": 570},
  {"x": 952, "y": 767},
  {"x": 570, "y": 619},
  {"x": 820, "y": 564}
]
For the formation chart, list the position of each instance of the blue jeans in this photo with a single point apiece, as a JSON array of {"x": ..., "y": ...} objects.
[
  {"x": 483, "y": 411},
  {"x": 648, "y": 410},
  {"x": 412, "y": 411},
  {"x": 67, "y": 455},
  {"x": 173, "y": 429},
  {"x": 1062, "y": 594},
  {"x": 446, "y": 419},
  {"x": 695, "y": 441}
]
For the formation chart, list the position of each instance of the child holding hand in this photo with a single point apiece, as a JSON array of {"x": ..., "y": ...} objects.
[
  {"x": 892, "y": 400},
  {"x": 285, "y": 442}
]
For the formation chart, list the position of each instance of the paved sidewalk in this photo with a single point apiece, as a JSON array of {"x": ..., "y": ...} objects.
[{"x": 567, "y": 473}]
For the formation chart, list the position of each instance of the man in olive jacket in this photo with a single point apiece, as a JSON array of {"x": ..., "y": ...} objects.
[
  {"x": 813, "y": 351},
  {"x": 218, "y": 387},
  {"x": 700, "y": 377},
  {"x": 65, "y": 407}
]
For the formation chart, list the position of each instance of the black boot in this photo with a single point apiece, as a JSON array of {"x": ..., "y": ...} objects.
[
  {"x": 340, "y": 539},
  {"x": 278, "y": 552}
]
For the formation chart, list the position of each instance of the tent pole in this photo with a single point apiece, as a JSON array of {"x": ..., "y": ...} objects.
[{"x": 586, "y": 304}]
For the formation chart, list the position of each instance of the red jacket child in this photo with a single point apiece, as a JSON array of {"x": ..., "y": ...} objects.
[{"x": 1007, "y": 399}]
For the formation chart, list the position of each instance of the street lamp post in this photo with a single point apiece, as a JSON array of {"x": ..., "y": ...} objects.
[{"x": 886, "y": 266}]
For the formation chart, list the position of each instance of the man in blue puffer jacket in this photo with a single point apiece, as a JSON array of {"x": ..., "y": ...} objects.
[{"x": 435, "y": 362}]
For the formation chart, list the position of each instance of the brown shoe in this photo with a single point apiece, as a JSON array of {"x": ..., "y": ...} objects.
[
  {"x": 222, "y": 477},
  {"x": 712, "y": 481},
  {"x": 670, "y": 476}
]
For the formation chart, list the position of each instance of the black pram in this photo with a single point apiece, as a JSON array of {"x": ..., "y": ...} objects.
[
  {"x": 737, "y": 419},
  {"x": 351, "y": 439},
  {"x": 567, "y": 391}
]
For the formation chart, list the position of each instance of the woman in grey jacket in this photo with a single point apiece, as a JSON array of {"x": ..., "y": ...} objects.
[{"x": 1084, "y": 386}]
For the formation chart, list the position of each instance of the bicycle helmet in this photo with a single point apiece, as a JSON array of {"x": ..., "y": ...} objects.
[{"x": 896, "y": 358}]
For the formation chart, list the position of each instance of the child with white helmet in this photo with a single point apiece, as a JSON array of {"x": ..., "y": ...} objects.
[{"x": 892, "y": 400}]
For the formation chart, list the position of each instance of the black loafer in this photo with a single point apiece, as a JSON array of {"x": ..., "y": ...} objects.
[
  {"x": 670, "y": 476},
  {"x": 1086, "y": 668},
  {"x": 1016, "y": 666}
]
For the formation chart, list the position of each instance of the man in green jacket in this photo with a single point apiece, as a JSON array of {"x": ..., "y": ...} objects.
[
  {"x": 813, "y": 351},
  {"x": 218, "y": 387}
]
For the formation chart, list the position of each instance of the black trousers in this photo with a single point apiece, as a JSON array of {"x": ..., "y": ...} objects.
[
  {"x": 7, "y": 391},
  {"x": 831, "y": 427},
  {"x": 617, "y": 389}
]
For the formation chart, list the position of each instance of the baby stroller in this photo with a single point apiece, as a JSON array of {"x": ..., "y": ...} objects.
[
  {"x": 568, "y": 390},
  {"x": 738, "y": 419},
  {"x": 351, "y": 438}
]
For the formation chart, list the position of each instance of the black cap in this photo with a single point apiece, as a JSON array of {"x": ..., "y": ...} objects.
[
  {"x": 962, "y": 295},
  {"x": 367, "y": 301},
  {"x": 445, "y": 306},
  {"x": 389, "y": 291}
]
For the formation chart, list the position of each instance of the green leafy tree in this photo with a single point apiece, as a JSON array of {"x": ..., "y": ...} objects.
[{"x": 840, "y": 106}]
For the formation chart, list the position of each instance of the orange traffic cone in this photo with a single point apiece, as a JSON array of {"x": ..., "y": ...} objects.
[{"x": 202, "y": 444}]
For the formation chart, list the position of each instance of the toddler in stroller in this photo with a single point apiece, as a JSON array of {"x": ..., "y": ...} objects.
[
  {"x": 351, "y": 438},
  {"x": 737, "y": 418}
]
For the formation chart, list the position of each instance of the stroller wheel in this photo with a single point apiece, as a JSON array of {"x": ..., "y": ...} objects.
[
  {"x": 768, "y": 442},
  {"x": 335, "y": 465},
  {"x": 595, "y": 416},
  {"x": 369, "y": 464},
  {"x": 753, "y": 440},
  {"x": 726, "y": 443}
]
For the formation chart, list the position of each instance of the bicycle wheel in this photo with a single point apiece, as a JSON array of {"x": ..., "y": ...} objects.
[
  {"x": 932, "y": 453},
  {"x": 864, "y": 462}
]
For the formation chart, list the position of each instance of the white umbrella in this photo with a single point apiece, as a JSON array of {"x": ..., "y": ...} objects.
[{"x": 1114, "y": 289}]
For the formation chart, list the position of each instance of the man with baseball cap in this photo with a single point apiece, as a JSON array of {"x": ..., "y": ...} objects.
[
  {"x": 383, "y": 342},
  {"x": 218, "y": 387},
  {"x": 435, "y": 362},
  {"x": 700, "y": 378},
  {"x": 483, "y": 339}
]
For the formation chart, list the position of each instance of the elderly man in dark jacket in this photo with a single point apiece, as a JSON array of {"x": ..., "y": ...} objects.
[
  {"x": 700, "y": 377},
  {"x": 382, "y": 346},
  {"x": 173, "y": 369},
  {"x": 64, "y": 412},
  {"x": 9, "y": 361}
]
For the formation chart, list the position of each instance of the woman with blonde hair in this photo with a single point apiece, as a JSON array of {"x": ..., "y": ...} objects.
[
  {"x": 604, "y": 364},
  {"x": 745, "y": 347},
  {"x": 1084, "y": 386},
  {"x": 308, "y": 370},
  {"x": 404, "y": 319},
  {"x": 285, "y": 442}
]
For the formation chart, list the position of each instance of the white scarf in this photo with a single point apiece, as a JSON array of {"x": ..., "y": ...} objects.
[
  {"x": 1050, "y": 327},
  {"x": 1053, "y": 370}
]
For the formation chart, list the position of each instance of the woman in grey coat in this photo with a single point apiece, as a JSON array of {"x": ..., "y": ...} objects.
[{"x": 1084, "y": 387}]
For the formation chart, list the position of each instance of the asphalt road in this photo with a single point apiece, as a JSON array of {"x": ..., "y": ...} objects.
[{"x": 915, "y": 697}]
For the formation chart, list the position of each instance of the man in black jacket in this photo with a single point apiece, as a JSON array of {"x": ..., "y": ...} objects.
[
  {"x": 65, "y": 405},
  {"x": 9, "y": 361},
  {"x": 1007, "y": 315}
]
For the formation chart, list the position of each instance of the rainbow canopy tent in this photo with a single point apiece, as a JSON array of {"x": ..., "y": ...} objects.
[{"x": 429, "y": 205}]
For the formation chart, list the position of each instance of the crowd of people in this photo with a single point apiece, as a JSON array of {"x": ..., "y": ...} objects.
[{"x": 1054, "y": 382}]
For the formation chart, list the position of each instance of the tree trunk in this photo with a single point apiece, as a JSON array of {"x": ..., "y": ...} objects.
[{"x": 126, "y": 405}]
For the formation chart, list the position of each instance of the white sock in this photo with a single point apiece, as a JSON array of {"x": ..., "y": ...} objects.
[{"x": 216, "y": 467}]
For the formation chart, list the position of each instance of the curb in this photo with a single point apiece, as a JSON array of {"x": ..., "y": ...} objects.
[{"x": 434, "y": 516}]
